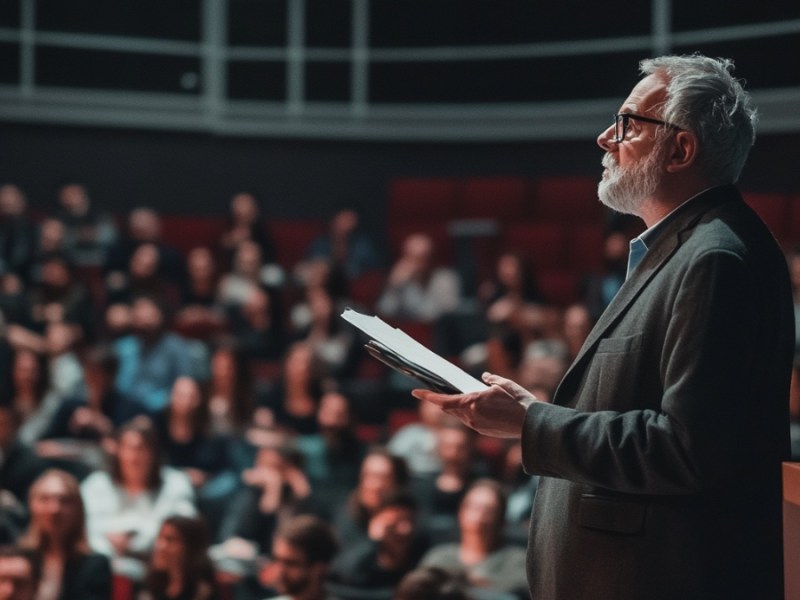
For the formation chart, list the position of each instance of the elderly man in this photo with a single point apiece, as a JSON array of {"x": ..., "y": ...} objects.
[{"x": 660, "y": 454}]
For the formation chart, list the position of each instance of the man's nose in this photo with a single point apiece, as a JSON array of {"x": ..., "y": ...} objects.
[{"x": 606, "y": 139}]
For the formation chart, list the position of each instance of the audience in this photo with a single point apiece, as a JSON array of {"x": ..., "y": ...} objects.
[
  {"x": 57, "y": 532},
  {"x": 260, "y": 405}
]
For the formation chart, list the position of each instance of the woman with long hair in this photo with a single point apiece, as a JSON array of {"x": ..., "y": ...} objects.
[
  {"x": 179, "y": 566},
  {"x": 125, "y": 508},
  {"x": 57, "y": 532}
]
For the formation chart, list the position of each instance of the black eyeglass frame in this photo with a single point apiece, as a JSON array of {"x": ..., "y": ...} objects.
[{"x": 625, "y": 117}]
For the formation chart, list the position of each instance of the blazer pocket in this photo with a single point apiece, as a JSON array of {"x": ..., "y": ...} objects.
[
  {"x": 629, "y": 343},
  {"x": 616, "y": 515}
]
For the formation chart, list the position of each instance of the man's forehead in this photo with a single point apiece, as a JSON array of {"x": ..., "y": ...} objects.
[{"x": 646, "y": 94}]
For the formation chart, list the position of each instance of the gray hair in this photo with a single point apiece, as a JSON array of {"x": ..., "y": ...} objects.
[{"x": 703, "y": 97}]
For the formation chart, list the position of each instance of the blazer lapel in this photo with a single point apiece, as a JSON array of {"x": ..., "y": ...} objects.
[{"x": 657, "y": 256}]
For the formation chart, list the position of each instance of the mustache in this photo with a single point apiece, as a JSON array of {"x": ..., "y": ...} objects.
[{"x": 608, "y": 161}]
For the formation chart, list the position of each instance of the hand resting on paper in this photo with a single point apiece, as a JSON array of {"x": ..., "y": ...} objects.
[{"x": 497, "y": 411}]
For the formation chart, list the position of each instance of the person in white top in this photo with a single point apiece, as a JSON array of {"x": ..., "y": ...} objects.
[{"x": 125, "y": 508}]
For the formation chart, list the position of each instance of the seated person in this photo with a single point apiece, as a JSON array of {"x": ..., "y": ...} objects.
[
  {"x": 417, "y": 289},
  {"x": 179, "y": 567},
  {"x": 440, "y": 494},
  {"x": 394, "y": 546},
  {"x": 151, "y": 358},
  {"x": 381, "y": 474},
  {"x": 430, "y": 583},
  {"x": 274, "y": 489},
  {"x": 125, "y": 508},
  {"x": 333, "y": 456},
  {"x": 292, "y": 404},
  {"x": 246, "y": 225},
  {"x": 344, "y": 245},
  {"x": 188, "y": 444},
  {"x": 302, "y": 551},
  {"x": 481, "y": 554},
  {"x": 57, "y": 532},
  {"x": 416, "y": 442},
  {"x": 19, "y": 467},
  {"x": 88, "y": 232}
]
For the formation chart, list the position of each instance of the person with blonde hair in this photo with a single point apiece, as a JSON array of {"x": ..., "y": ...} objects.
[{"x": 57, "y": 531}]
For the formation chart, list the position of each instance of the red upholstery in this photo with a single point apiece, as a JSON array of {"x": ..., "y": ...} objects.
[
  {"x": 422, "y": 199},
  {"x": 367, "y": 287},
  {"x": 558, "y": 286},
  {"x": 121, "y": 588},
  {"x": 773, "y": 209},
  {"x": 186, "y": 232},
  {"x": 585, "y": 247},
  {"x": 566, "y": 199},
  {"x": 292, "y": 238},
  {"x": 793, "y": 234},
  {"x": 542, "y": 244},
  {"x": 503, "y": 198}
]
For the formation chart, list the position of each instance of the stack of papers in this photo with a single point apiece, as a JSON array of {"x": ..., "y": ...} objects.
[{"x": 404, "y": 354}]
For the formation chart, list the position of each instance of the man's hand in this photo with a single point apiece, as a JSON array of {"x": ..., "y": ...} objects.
[{"x": 498, "y": 411}]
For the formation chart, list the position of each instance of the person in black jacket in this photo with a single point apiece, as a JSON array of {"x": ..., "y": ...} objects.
[{"x": 57, "y": 531}]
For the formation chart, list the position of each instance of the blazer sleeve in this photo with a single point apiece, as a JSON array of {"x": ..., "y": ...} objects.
[{"x": 717, "y": 344}]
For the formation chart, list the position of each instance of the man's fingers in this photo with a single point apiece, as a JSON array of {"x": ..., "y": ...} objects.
[
  {"x": 443, "y": 401},
  {"x": 512, "y": 388}
]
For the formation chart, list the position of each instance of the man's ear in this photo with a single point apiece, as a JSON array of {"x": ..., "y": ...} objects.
[{"x": 684, "y": 149}]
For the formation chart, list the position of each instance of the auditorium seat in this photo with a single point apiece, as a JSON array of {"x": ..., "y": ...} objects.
[
  {"x": 186, "y": 232},
  {"x": 366, "y": 288},
  {"x": 292, "y": 238},
  {"x": 502, "y": 198},
  {"x": 558, "y": 286},
  {"x": 793, "y": 233},
  {"x": 419, "y": 199},
  {"x": 542, "y": 244},
  {"x": 585, "y": 247},
  {"x": 566, "y": 199},
  {"x": 773, "y": 210}
]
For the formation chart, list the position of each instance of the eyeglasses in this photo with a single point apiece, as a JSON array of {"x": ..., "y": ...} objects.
[{"x": 621, "y": 124}]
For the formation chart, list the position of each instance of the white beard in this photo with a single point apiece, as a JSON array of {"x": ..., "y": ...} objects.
[{"x": 626, "y": 189}]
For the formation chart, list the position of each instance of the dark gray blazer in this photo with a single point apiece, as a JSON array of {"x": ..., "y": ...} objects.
[{"x": 662, "y": 450}]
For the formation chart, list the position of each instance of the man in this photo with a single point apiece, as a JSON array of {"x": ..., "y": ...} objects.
[
  {"x": 19, "y": 574},
  {"x": 660, "y": 454},
  {"x": 152, "y": 358},
  {"x": 301, "y": 552}
]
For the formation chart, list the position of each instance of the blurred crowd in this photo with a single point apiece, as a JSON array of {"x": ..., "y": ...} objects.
[{"x": 204, "y": 425}]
